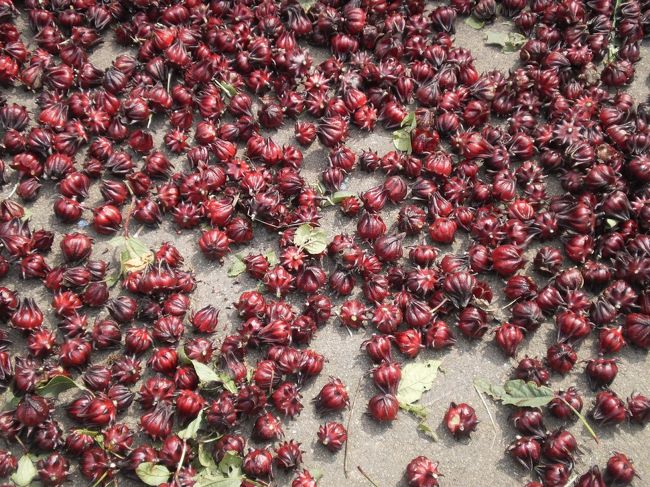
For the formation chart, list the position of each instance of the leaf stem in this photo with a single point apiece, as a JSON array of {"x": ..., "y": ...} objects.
[
  {"x": 582, "y": 420},
  {"x": 345, "y": 453},
  {"x": 487, "y": 409},
  {"x": 366, "y": 476}
]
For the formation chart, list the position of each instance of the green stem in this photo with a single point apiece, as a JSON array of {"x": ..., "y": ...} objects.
[
  {"x": 582, "y": 420},
  {"x": 101, "y": 479}
]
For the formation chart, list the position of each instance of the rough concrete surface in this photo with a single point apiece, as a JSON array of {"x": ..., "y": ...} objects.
[{"x": 383, "y": 451}]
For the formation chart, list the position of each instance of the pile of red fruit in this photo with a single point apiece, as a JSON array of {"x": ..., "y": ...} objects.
[{"x": 480, "y": 150}]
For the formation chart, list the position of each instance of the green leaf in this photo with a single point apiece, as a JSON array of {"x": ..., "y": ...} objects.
[
  {"x": 316, "y": 473},
  {"x": 228, "y": 89},
  {"x": 57, "y": 385},
  {"x": 230, "y": 465},
  {"x": 494, "y": 391},
  {"x": 9, "y": 400},
  {"x": 611, "y": 223},
  {"x": 228, "y": 383},
  {"x": 152, "y": 474},
  {"x": 135, "y": 255},
  {"x": 207, "y": 478},
  {"x": 340, "y": 196},
  {"x": 417, "y": 410},
  {"x": 526, "y": 394},
  {"x": 306, "y": 4},
  {"x": 517, "y": 393},
  {"x": 409, "y": 123},
  {"x": 402, "y": 141},
  {"x": 271, "y": 257},
  {"x": 227, "y": 474},
  {"x": 25, "y": 473},
  {"x": 427, "y": 430},
  {"x": 474, "y": 23},
  {"x": 508, "y": 41},
  {"x": 205, "y": 458},
  {"x": 192, "y": 429},
  {"x": 206, "y": 375},
  {"x": 205, "y": 372},
  {"x": 417, "y": 377},
  {"x": 237, "y": 267},
  {"x": 311, "y": 239}
]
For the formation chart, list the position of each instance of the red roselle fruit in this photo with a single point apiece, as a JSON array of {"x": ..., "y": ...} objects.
[
  {"x": 383, "y": 407},
  {"x": 258, "y": 463},
  {"x": 422, "y": 472},
  {"x": 638, "y": 407},
  {"x": 332, "y": 397},
  {"x": 620, "y": 470},
  {"x": 601, "y": 372},
  {"x": 559, "y": 446},
  {"x": 558, "y": 406},
  {"x": 532, "y": 370},
  {"x": 332, "y": 435},
  {"x": 608, "y": 408},
  {"x": 527, "y": 450},
  {"x": 460, "y": 420},
  {"x": 528, "y": 422},
  {"x": 593, "y": 478},
  {"x": 508, "y": 338},
  {"x": 554, "y": 474},
  {"x": 561, "y": 357}
]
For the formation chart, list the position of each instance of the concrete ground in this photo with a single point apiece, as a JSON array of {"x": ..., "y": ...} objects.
[{"x": 383, "y": 451}]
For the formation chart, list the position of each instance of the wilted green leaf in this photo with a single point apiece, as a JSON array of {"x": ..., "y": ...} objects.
[
  {"x": 427, "y": 430},
  {"x": 474, "y": 23},
  {"x": 339, "y": 196},
  {"x": 25, "y": 473},
  {"x": 152, "y": 474},
  {"x": 417, "y": 377},
  {"x": 508, "y": 41},
  {"x": 306, "y": 4},
  {"x": 134, "y": 256},
  {"x": 192, "y": 429},
  {"x": 271, "y": 257},
  {"x": 237, "y": 267},
  {"x": 27, "y": 214},
  {"x": 402, "y": 141},
  {"x": 311, "y": 239},
  {"x": 417, "y": 410},
  {"x": 57, "y": 385}
]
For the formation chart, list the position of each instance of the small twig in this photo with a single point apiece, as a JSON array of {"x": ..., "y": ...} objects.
[
  {"x": 366, "y": 476},
  {"x": 13, "y": 190},
  {"x": 494, "y": 425},
  {"x": 180, "y": 463},
  {"x": 345, "y": 453}
]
